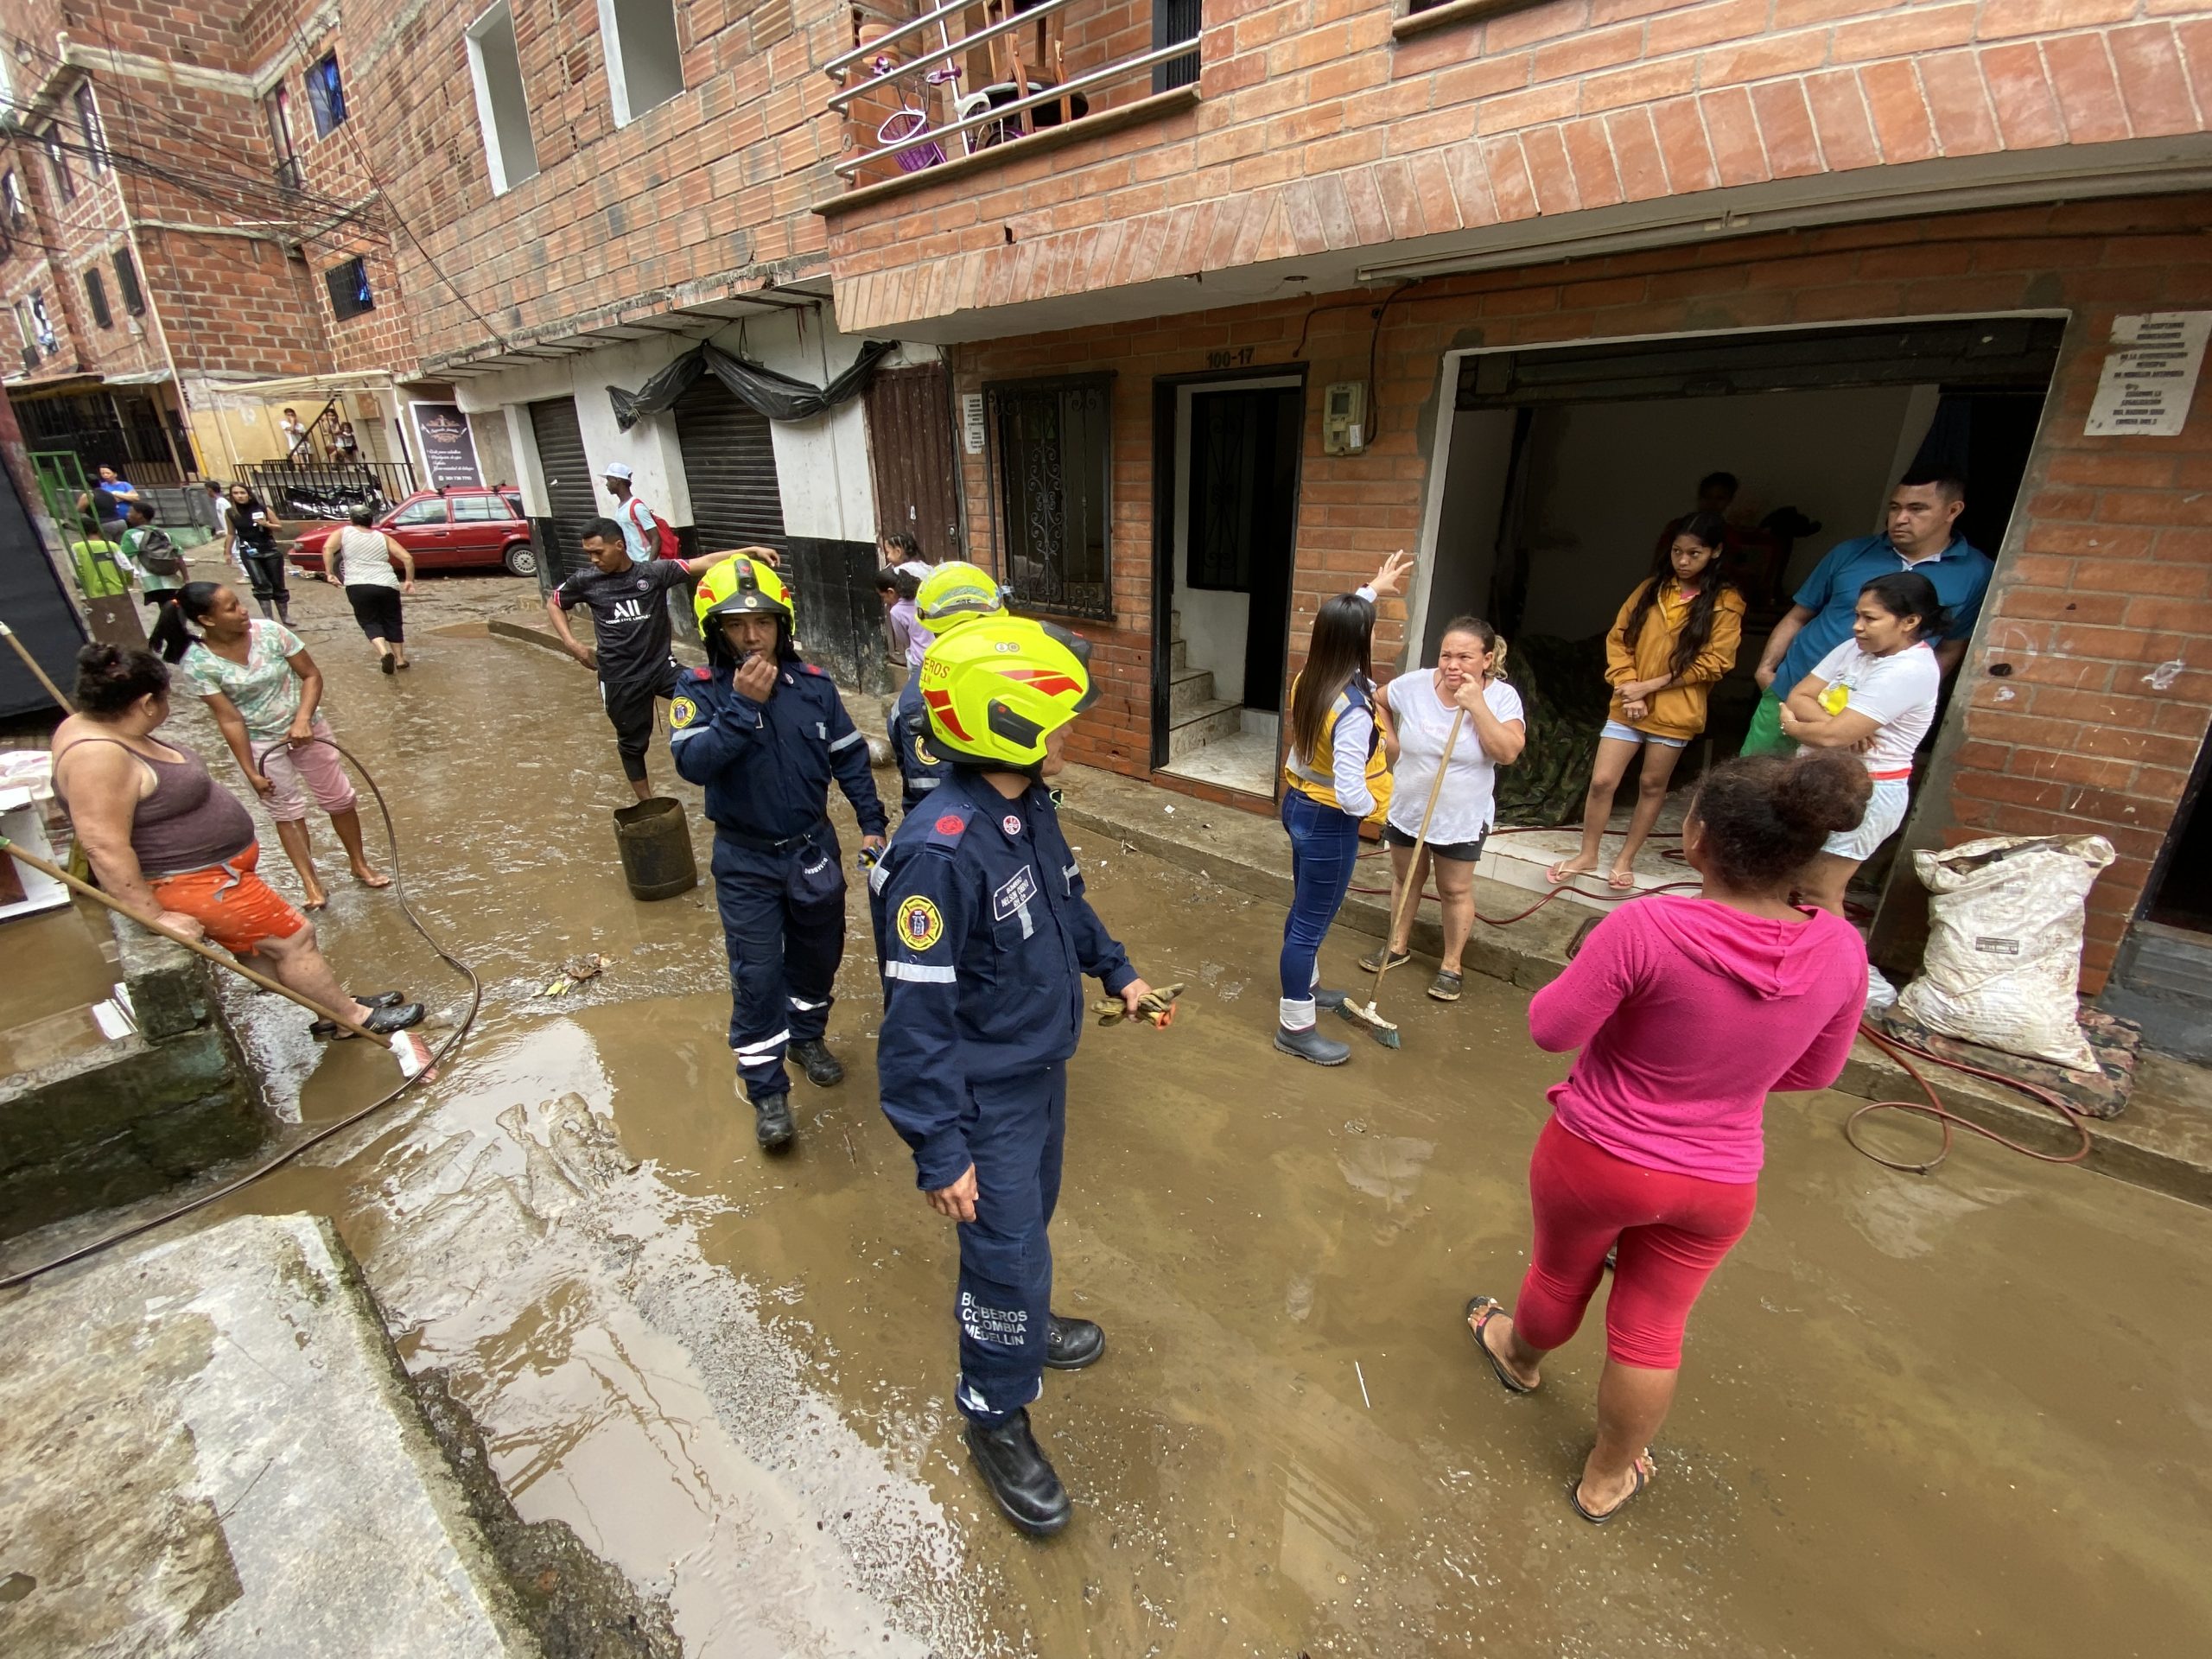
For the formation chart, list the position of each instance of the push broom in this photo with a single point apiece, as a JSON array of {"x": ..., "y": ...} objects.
[
  {"x": 406, "y": 1047},
  {"x": 1381, "y": 1029}
]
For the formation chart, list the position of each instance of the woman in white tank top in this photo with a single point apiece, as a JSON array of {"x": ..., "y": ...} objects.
[{"x": 360, "y": 560}]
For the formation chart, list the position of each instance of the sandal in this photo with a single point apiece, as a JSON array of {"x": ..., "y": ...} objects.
[
  {"x": 1488, "y": 1308},
  {"x": 1373, "y": 960},
  {"x": 1622, "y": 880},
  {"x": 1445, "y": 987},
  {"x": 1643, "y": 1468},
  {"x": 1560, "y": 875}
]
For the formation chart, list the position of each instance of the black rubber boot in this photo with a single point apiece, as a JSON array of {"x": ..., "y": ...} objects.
[
  {"x": 772, "y": 1126},
  {"x": 1330, "y": 1001},
  {"x": 822, "y": 1066},
  {"x": 1070, "y": 1345},
  {"x": 1311, "y": 1044},
  {"x": 1012, "y": 1465}
]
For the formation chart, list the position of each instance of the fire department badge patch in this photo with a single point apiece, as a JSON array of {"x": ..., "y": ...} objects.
[
  {"x": 681, "y": 711},
  {"x": 920, "y": 924}
]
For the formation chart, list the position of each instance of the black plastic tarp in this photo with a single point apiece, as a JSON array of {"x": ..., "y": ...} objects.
[{"x": 777, "y": 396}]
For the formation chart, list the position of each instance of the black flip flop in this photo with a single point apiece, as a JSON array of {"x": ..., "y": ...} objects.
[
  {"x": 1477, "y": 1305},
  {"x": 1643, "y": 1479}
]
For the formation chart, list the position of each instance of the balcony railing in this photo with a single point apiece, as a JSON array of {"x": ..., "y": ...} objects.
[{"x": 974, "y": 75}]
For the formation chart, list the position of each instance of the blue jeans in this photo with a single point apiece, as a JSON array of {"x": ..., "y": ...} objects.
[{"x": 1324, "y": 845}]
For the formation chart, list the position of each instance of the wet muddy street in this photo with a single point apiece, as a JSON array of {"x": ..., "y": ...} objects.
[{"x": 1969, "y": 1413}]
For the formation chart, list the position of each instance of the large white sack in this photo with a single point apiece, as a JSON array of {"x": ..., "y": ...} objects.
[{"x": 2005, "y": 944}]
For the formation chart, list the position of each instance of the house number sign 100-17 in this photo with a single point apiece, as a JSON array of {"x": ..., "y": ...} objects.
[{"x": 1238, "y": 357}]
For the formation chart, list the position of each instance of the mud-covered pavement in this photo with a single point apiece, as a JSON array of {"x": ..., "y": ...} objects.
[{"x": 1971, "y": 1414}]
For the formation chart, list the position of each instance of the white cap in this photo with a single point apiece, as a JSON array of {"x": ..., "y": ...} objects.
[{"x": 616, "y": 469}]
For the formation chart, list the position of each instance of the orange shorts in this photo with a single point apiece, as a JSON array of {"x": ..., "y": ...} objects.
[{"x": 237, "y": 907}]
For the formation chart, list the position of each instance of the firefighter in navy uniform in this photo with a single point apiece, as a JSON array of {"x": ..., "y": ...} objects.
[
  {"x": 985, "y": 936},
  {"x": 954, "y": 593},
  {"x": 764, "y": 733}
]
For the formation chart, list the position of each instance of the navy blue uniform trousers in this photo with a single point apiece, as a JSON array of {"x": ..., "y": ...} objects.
[
  {"x": 1015, "y": 1132},
  {"x": 784, "y": 922}
]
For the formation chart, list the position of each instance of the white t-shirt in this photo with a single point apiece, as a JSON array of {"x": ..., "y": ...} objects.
[
  {"x": 1898, "y": 690},
  {"x": 1466, "y": 808}
]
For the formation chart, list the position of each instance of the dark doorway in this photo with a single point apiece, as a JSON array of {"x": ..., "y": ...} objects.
[
  {"x": 911, "y": 459},
  {"x": 570, "y": 501},
  {"x": 1243, "y": 500},
  {"x": 2181, "y": 888},
  {"x": 1229, "y": 488}
]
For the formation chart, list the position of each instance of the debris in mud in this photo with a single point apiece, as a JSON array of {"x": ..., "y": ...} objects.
[
  {"x": 575, "y": 972},
  {"x": 576, "y": 1605}
]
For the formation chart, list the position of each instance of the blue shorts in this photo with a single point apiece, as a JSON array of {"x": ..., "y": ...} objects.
[{"x": 1621, "y": 734}]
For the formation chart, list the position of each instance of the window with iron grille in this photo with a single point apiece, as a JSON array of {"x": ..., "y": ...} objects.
[
  {"x": 1054, "y": 463},
  {"x": 50, "y": 141},
  {"x": 42, "y": 325},
  {"x": 22, "y": 310},
  {"x": 11, "y": 188},
  {"x": 96, "y": 297},
  {"x": 326, "y": 95},
  {"x": 349, "y": 290},
  {"x": 126, "y": 282},
  {"x": 88, "y": 117},
  {"x": 1173, "y": 22}
]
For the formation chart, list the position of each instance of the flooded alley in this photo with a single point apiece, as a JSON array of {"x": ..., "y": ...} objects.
[{"x": 1965, "y": 1413}]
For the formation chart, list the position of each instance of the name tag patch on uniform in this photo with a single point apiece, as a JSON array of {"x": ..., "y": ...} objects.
[
  {"x": 1014, "y": 894},
  {"x": 681, "y": 711},
  {"x": 921, "y": 924}
]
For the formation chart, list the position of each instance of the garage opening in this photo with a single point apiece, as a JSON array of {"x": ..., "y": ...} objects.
[
  {"x": 1223, "y": 563},
  {"x": 569, "y": 500},
  {"x": 1565, "y": 471}
]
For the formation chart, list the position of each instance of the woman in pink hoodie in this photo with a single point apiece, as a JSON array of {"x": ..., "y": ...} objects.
[{"x": 1688, "y": 1012}]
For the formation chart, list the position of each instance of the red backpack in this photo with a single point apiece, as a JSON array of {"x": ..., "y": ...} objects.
[{"x": 664, "y": 542}]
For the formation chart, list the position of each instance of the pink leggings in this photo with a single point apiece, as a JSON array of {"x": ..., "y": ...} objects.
[{"x": 1672, "y": 1232}]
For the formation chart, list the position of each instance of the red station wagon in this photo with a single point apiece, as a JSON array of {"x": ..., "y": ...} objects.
[{"x": 448, "y": 529}]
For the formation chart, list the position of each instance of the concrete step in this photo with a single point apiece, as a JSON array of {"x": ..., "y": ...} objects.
[
  {"x": 1189, "y": 689},
  {"x": 202, "y": 1365},
  {"x": 1178, "y": 654},
  {"x": 1216, "y": 718}
]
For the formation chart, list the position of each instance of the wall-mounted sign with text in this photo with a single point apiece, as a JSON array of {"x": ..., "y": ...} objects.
[
  {"x": 2150, "y": 375},
  {"x": 449, "y": 446}
]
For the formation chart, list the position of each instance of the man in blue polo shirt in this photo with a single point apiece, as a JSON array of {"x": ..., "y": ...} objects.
[{"x": 1924, "y": 507}]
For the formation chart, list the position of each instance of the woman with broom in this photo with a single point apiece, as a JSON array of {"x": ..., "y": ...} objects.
[
  {"x": 1462, "y": 717},
  {"x": 173, "y": 845},
  {"x": 1337, "y": 775}
]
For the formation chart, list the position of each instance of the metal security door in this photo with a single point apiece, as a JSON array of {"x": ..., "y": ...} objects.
[
  {"x": 568, "y": 495},
  {"x": 729, "y": 462},
  {"x": 912, "y": 461}
]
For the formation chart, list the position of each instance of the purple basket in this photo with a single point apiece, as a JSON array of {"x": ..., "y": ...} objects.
[{"x": 904, "y": 123}]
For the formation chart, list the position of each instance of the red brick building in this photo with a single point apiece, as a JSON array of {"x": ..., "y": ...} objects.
[{"x": 1554, "y": 262}]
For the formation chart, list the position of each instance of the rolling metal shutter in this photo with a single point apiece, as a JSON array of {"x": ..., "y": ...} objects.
[
  {"x": 729, "y": 462},
  {"x": 569, "y": 493}
]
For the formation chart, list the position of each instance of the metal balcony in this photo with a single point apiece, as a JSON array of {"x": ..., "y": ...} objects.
[{"x": 975, "y": 74}]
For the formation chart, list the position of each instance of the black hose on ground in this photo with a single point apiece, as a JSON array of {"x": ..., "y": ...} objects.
[{"x": 316, "y": 1136}]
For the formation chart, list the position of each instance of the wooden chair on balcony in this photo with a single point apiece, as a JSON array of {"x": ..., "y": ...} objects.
[{"x": 1012, "y": 74}]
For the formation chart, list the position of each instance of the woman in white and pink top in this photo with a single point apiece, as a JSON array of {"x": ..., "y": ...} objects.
[{"x": 1875, "y": 695}]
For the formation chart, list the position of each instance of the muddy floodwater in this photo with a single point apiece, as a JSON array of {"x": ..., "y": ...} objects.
[{"x": 1964, "y": 1414}]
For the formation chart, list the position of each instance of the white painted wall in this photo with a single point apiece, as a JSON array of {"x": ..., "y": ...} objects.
[
  {"x": 1215, "y": 624},
  {"x": 822, "y": 465},
  {"x": 1604, "y": 477}
]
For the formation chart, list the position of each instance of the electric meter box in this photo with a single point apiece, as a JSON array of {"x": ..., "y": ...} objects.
[{"x": 1344, "y": 418}]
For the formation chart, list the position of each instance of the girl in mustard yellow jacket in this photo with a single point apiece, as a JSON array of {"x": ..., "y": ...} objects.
[{"x": 1676, "y": 636}]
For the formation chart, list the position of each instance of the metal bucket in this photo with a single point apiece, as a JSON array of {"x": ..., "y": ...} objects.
[{"x": 655, "y": 842}]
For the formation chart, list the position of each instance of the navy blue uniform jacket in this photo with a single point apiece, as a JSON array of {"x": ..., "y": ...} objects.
[
  {"x": 767, "y": 767},
  {"x": 984, "y": 934}
]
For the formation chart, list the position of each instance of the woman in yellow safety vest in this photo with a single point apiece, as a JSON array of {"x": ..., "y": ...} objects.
[{"x": 1336, "y": 774}]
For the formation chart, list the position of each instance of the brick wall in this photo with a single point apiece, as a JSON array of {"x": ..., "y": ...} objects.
[
  {"x": 1318, "y": 133},
  {"x": 2102, "y": 607}
]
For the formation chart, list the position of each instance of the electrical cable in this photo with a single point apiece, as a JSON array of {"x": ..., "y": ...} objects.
[{"x": 324, "y": 1132}]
